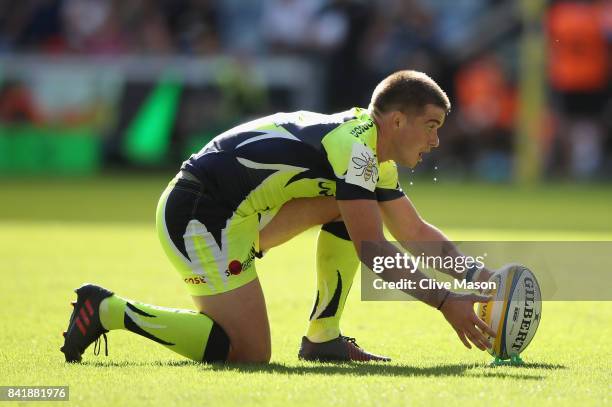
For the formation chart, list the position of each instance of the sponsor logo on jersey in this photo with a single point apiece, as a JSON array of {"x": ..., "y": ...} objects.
[
  {"x": 236, "y": 267},
  {"x": 362, "y": 128},
  {"x": 195, "y": 280},
  {"x": 325, "y": 188}
]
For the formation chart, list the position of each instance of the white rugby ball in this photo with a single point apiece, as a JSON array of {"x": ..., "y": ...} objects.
[{"x": 514, "y": 311}]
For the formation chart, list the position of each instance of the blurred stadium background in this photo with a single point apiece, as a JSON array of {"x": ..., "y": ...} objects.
[{"x": 88, "y": 86}]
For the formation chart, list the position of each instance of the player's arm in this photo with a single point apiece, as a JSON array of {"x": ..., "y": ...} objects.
[
  {"x": 364, "y": 223},
  {"x": 417, "y": 236},
  {"x": 356, "y": 169}
]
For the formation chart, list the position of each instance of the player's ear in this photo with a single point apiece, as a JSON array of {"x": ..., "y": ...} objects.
[{"x": 396, "y": 119}]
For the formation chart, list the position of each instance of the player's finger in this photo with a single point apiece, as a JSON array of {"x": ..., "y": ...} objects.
[
  {"x": 463, "y": 339},
  {"x": 476, "y": 335},
  {"x": 484, "y": 327},
  {"x": 474, "y": 339},
  {"x": 480, "y": 298}
]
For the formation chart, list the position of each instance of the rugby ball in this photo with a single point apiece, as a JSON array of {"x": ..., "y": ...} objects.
[{"x": 514, "y": 311}]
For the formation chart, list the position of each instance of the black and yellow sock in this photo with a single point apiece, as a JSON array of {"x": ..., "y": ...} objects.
[
  {"x": 337, "y": 263},
  {"x": 188, "y": 333}
]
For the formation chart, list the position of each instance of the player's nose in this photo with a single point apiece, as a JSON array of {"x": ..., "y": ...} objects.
[{"x": 434, "y": 140}]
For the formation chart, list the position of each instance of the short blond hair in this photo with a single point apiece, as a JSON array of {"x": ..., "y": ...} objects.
[{"x": 408, "y": 90}]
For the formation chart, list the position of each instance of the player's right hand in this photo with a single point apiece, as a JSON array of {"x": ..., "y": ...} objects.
[{"x": 458, "y": 309}]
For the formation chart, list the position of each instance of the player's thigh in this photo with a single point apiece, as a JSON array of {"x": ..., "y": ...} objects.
[
  {"x": 296, "y": 216},
  {"x": 215, "y": 259},
  {"x": 242, "y": 314},
  {"x": 211, "y": 254}
]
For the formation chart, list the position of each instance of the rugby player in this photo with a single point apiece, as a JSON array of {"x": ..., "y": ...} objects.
[{"x": 262, "y": 183}]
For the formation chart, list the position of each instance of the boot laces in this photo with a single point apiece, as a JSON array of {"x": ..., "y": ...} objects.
[
  {"x": 98, "y": 345},
  {"x": 351, "y": 340}
]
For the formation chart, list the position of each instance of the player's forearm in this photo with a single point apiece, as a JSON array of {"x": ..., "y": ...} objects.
[
  {"x": 431, "y": 241},
  {"x": 433, "y": 297}
]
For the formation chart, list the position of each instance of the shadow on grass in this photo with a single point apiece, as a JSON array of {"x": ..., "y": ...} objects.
[
  {"x": 376, "y": 369},
  {"x": 353, "y": 369},
  {"x": 128, "y": 363},
  {"x": 541, "y": 366}
]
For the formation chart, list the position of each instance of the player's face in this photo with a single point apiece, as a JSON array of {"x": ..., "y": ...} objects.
[{"x": 417, "y": 134}]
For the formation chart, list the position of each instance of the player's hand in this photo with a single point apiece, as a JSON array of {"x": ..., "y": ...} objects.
[
  {"x": 458, "y": 309},
  {"x": 488, "y": 274},
  {"x": 485, "y": 275}
]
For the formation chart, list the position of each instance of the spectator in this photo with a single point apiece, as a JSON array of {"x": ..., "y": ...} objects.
[
  {"x": 194, "y": 25},
  {"x": 340, "y": 31},
  {"x": 29, "y": 24},
  {"x": 578, "y": 70},
  {"x": 92, "y": 27},
  {"x": 286, "y": 25},
  {"x": 17, "y": 104}
]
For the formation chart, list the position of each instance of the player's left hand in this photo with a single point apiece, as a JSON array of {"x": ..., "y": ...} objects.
[
  {"x": 485, "y": 274},
  {"x": 458, "y": 309}
]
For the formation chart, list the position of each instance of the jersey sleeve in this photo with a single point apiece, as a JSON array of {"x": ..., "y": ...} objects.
[
  {"x": 388, "y": 187},
  {"x": 353, "y": 162}
]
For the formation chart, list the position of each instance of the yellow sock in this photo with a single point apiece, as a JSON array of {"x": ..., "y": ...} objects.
[
  {"x": 188, "y": 333},
  {"x": 337, "y": 263}
]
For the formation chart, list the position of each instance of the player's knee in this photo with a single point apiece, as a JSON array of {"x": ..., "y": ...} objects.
[
  {"x": 261, "y": 352},
  {"x": 217, "y": 345},
  {"x": 220, "y": 348},
  {"x": 262, "y": 356},
  {"x": 251, "y": 346},
  {"x": 251, "y": 354}
]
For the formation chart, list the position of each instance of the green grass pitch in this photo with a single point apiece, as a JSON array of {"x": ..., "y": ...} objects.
[{"x": 55, "y": 235}]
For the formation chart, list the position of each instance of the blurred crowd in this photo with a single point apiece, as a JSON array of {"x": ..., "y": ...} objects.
[{"x": 471, "y": 47}]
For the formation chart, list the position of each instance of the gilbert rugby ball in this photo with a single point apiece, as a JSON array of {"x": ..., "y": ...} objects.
[{"x": 514, "y": 311}]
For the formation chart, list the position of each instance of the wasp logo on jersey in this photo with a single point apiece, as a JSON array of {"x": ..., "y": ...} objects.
[
  {"x": 367, "y": 165},
  {"x": 363, "y": 167}
]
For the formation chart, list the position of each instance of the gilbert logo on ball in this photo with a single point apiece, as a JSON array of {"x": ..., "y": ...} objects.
[{"x": 514, "y": 311}]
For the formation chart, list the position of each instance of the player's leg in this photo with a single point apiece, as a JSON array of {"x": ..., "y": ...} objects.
[
  {"x": 231, "y": 326},
  {"x": 193, "y": 250},
  {"x": 242, "y": 312},
  {"x": 337, "y": 263},
  {"x": 216, "y": 258},
  {"x": 188, "y": 333},
  {"x": 294, "y": 217}
]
